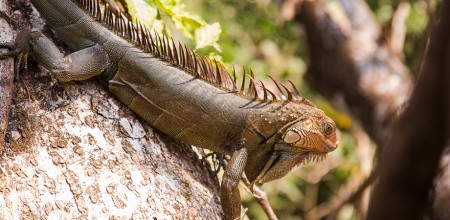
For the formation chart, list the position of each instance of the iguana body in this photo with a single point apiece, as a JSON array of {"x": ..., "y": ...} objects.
[{"x": 187, "y": 97}]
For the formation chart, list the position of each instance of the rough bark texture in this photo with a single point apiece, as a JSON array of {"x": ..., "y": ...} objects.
[
  {"x": 350, "y": 61},
  {"x": 411, "y": 158},
  {"x": 73, "y": 151},
  {"x": 6, "y": 77}
]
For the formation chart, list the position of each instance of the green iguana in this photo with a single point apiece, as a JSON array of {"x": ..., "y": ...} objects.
[{"x": 188, "y": 97}]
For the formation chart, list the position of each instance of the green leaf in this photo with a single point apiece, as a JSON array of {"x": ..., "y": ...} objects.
[
  {"x": 144, "y": 10},
  {"x": 220, "y": 59},
  {"x": 208, "y": 35},
  {"x": 185, "y": 21},
  {"x": 192, "y": 25}
]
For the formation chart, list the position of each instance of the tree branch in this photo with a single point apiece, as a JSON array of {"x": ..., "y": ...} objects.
[{"x": 261, "y": 198}]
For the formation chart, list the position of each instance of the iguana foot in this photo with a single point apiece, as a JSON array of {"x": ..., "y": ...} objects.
[
  {"x": 18, "y": 48},
  {"x": 218, "y": 161}
]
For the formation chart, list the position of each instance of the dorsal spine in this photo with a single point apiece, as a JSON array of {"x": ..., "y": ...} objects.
[{"x": 184, "y": 58}]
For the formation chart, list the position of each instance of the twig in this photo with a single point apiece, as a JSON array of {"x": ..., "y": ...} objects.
[
  {"x": 331, "y": 208},
  {"x": 260, "y": 196},
  {"x": 357, "y": 194},
  {"x": 398, "y": 27}
]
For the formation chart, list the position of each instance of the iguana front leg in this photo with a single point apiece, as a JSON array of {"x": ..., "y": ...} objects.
[
  {"x": 79, "y": 65},
  {"x": 20, "y": 48},
  {"x": 230, "y": 197}
]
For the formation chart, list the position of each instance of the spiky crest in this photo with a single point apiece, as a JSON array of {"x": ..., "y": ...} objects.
[{"x": 182, "y": 57}]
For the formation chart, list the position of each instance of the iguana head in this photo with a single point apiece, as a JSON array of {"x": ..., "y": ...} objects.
[
  {"x": 315, "y": 133},
  {"x": 297, "y": 132}
]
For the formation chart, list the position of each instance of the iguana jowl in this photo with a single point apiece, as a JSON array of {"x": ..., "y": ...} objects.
[{"x": 185, "y": 96}]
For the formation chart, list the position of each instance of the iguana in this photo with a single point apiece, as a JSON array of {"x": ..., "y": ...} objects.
[{"x": 186, "y": 96}]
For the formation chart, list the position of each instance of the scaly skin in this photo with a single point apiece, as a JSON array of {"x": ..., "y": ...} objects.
[{"x": 265, "y": 139}]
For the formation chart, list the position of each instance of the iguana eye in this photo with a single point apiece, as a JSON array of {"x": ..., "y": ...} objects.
[
  {"x": 291, "y": 136},
  {"x": 328, "y": 129}
]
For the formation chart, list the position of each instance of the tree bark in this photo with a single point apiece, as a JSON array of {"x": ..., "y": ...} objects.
[
  {"x": 73, "y": 151},
  {"x": 6, "y": 77}
]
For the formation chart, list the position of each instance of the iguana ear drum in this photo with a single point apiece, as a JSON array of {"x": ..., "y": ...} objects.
[{"x": 291, "y": 136}]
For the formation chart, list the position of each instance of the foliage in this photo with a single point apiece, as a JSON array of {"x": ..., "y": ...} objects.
[{"x": 192, "y": 25}]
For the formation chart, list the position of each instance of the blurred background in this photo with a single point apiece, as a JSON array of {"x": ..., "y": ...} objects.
[{"x": 356, "y": 60}]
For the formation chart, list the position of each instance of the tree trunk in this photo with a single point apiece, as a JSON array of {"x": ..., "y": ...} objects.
[{"x": 73, "y": 151}]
